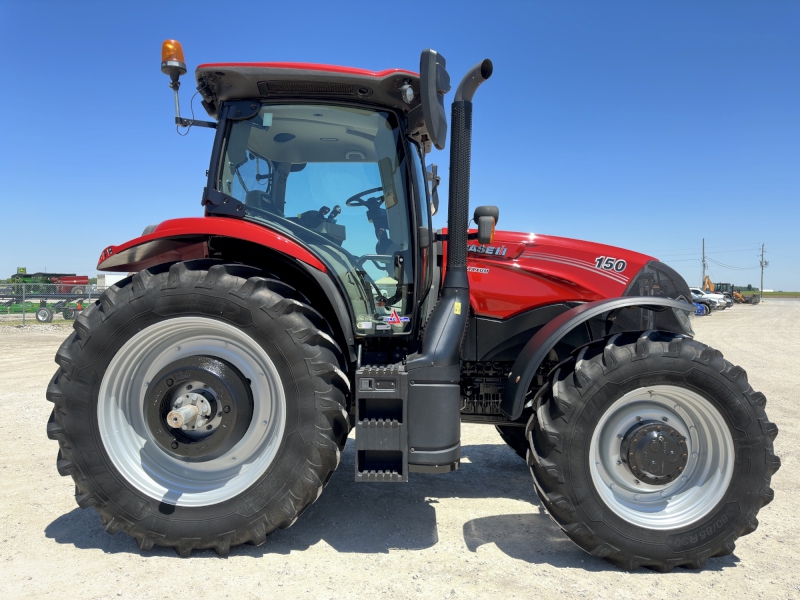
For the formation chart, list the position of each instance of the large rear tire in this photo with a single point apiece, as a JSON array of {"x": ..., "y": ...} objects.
[
  {"x": 652, "y": 450},
  {"x": 248, "y": 347}
]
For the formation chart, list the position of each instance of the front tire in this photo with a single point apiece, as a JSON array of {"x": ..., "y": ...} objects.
[
  {"x": 515, "y": 438},
  {"x": 258, "y": 355},
  {"x": 652, "y": 450}
]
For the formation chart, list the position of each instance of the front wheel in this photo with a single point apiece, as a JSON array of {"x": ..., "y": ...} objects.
[
  {"x": 514, "y": 437},
  {"x": 215, "y": 409},
  {"x": 652, "y": 450}
]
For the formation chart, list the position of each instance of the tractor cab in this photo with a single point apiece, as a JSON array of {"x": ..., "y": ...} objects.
[
  {"x": 333, "y": 158},
  {"x": 337, "y": 179}
]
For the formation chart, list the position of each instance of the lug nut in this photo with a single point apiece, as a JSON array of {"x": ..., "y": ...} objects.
[
  {"x": 170, "y": 382},
  {"x": 226, "y": 409},
  {"x": 174, "y": 445}
]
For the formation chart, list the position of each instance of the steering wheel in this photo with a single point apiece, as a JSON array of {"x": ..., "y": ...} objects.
[{"x": 357, "y": 199}]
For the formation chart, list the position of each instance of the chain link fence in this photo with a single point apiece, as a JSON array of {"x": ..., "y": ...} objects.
[{"x": 40, "y": 303}]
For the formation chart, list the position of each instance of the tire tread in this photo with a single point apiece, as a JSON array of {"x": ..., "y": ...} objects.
[
  {"x": 553, "y": 408},
  {"x": 311, "y": 334}
]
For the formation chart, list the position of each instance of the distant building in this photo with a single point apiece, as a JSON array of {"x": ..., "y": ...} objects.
[{"x": 105, "y": 280}]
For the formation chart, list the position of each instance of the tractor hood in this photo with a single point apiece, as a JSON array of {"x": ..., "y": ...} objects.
[{"x": 520, "y": 271}]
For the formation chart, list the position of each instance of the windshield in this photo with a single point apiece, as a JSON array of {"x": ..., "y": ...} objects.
[{"x": 335, "y": 178}]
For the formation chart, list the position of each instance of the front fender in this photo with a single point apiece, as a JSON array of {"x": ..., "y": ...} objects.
[
  {"x": 187, "y": 239},
  {"x": 539, "y": 346}
]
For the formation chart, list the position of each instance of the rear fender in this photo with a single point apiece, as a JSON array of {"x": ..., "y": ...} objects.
[
  {"x": 540, "y": 345},
  {"x": 238, "y": 241},
  {"x": 187, "y": 239}
]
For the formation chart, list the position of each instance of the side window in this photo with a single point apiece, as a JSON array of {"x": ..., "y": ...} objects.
[
  {"x": 336, "y": 179},
  {"x": 423, "y": 206}
]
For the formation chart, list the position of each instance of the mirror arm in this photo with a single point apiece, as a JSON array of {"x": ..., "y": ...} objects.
[{"x": 195, "y": 123}]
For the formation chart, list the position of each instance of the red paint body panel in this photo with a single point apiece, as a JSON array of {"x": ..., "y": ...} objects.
[
  {"x": 311, "y": 67},
  {"x": 523, "y": 271},
  {"x": 185, "y": 239},
  {"x": 536, "y": 270}
]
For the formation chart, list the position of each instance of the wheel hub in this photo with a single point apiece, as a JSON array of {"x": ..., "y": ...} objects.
[
  {"x": 189, "y": 411},
  {"x": 654, "y": 453},
  {"x": 199, "y": 407}
]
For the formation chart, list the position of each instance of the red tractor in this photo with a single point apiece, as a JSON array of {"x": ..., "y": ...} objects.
[{"x": 204, "y": 401}]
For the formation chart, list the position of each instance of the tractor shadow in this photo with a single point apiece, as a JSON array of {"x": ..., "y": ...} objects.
[
  {"x": 375, "y": 518},
  {"x": 351, "y": 517}
]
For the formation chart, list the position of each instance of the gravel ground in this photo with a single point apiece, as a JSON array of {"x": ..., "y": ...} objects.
[{"x": 476, "y": 533}]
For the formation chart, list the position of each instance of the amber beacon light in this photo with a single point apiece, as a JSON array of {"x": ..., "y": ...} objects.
[{"x": 172, "y": 61}]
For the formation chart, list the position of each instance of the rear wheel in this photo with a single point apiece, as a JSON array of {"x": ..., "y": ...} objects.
[
  {"x": 197, "y": 407},
  {"x": 652, "y": 450}
]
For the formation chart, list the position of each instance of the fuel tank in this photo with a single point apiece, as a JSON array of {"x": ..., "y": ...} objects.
[{"x": 521, "y": 271}]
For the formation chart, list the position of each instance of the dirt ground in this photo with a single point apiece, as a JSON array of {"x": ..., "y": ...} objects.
[{"x": 477, "y": 533}]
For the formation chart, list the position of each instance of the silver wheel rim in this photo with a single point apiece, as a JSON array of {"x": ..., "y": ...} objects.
[
  {"x": 705, "y": 478},
  {"x": 129, "y": 443}
]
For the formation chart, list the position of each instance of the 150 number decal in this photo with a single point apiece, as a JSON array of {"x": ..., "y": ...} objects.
[{"x": 609, "y": 263}]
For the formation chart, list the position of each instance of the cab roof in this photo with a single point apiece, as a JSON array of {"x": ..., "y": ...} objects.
[{"x": 219, "y": 82}]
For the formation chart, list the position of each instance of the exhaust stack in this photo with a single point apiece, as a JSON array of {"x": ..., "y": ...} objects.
[
  {"x": 460, "y": 161},
  {"x": 434, "y": 431}
]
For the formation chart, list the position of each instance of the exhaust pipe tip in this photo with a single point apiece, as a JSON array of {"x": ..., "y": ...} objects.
[
  {"x": 486, "y": 69},
  {"x": 473, "y": 79}
]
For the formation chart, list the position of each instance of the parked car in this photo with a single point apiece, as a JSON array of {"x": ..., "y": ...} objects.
[
  {"x": 709, "y": 303},
  {"x": 720, "y": 299}
]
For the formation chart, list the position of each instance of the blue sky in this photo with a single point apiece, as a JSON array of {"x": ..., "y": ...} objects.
[{"x": 647, "y": 125}]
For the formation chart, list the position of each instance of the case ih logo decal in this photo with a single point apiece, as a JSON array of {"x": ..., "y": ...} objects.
[
  {"x": 477, "y": 270},
  {"x": 487, "y": 250},
  {"x": 613, "y": 271}
]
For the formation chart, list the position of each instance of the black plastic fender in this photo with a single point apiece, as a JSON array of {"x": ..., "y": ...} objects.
[{"x": 539, "y": 346}]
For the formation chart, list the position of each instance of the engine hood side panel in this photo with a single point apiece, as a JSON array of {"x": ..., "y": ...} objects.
[{"x": 521, "y": 271}]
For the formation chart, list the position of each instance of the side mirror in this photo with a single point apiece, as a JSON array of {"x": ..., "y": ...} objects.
[
  {"x": 432, "y": 179},
  {"x": 486, "y": 218},
  {"x": 434, "y": 83}
]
